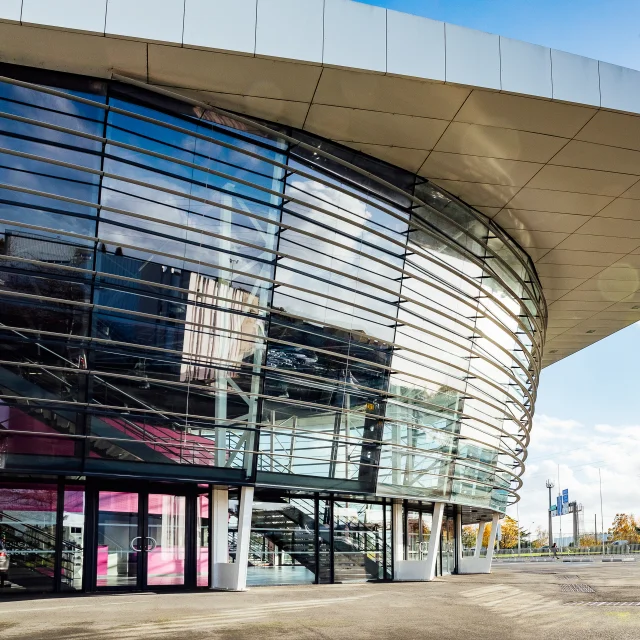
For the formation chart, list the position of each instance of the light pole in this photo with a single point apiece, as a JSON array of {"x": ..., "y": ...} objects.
[
  {"x": 550, "y": 486},
  {"x": 518, "y": 517},
  {"x": 601, "y": 513}
]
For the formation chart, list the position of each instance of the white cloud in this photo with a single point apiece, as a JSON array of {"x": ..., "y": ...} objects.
[
  {"x": 555, "y": 423},
  {"x": 576, "y": 452}
]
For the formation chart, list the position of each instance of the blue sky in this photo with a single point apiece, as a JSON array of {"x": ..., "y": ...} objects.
[{"x": 588, "y": 409}]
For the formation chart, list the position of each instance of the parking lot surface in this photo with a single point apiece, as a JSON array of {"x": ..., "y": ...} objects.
[{"x": 516, "y": 602}]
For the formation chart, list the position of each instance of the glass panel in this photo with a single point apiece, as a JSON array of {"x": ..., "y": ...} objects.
[
  {"x": 469, "y": 537},
  {"x": 282, "y": 547},
  {"x": 202, "y": 548},
  {"x": 418, "y": 534},
  {"x": 388, "y": 541},
  {"x": 165, "y": 540},
  {"x": 73, "y": 538},
  {"x": 358, "y": 541},
  {"x": 27, "y": 534},
  {"x": 119, "y": 544},
  {"x": 448, "y": 545},
  {"x": 324, "y": 542}
]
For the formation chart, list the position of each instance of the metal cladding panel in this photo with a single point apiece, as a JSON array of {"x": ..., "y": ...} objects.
[
  {"x": 473, "y": 57},
  {"x": 300, "y": 21},
  {"x": 355, "y": 35},
  {"x": 619, "y": 88},
  {"x": 10, "y": 10},
  {"x": 575, "y": 78},
  {"x": 229, "y": 26},
  {"x": 84, "y": 15},
  {"x": 415, "y": 46},
  {"x": 525, "y": 68},
  {"x": 145, "y": 20}
]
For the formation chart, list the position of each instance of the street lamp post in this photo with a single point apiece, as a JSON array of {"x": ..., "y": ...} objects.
[
  {"x": 550, "y": 486},
  {"x": 518, "y": 517}
]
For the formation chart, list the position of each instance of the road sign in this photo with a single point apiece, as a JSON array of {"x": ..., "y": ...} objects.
[
  {"x": 565, "y": 496},
  {"x": 560, "y": 508}
]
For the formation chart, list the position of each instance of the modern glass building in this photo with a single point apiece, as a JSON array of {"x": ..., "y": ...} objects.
[
  {"x": 246, "y": 338},
  {"x": 193, "y": 300}
]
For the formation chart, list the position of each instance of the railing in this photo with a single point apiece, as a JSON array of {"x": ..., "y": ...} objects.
[
  {"x": 21, "y": 538},
  {"x": 610, "y": 549}
]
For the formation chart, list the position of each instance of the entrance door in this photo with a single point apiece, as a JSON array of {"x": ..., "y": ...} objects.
[
  {"x": 164, "y": 544},
  {"x": 141, "y": 539}
]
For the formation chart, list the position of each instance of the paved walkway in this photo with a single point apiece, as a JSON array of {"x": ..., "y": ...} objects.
[{"x": 522, "y": 602}]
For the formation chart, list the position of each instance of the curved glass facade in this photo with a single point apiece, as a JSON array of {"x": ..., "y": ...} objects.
[{"x": 189, "y": 294}]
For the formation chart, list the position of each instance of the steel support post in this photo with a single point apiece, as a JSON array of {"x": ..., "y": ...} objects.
[
  {"x": 434, "y": 539},
  {"x": 492, "y": 539},
  {"x": 219, "y": 533},
  {"x": 479, "y": 536},
  {"x": 397, "y": 534},
  {"x": 244, "y": 536}
]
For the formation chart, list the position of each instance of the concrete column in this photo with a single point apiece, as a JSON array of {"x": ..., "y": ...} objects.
[
  {"x": 244, "y": 535},
  {"x": 396, "y": 534},
  {"x": 492, "y": 538},
  {"x": 219, "y": 533},
  {"x": 434, "y": 539},
  {"x": 479, "y": 536}
]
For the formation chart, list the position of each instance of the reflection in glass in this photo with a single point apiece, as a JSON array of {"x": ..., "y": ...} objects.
[
  {"x": 418, "y": 534},
  {"x": 119, "y": 542},
  {"x": 282, "y": 547},
  {"x": 359, "y": 540},
  {"x": 27, "y": 531},
  {"x": 165, "y": 540},
  {"x": 202, "y": 547},
  {"x": 447, "y": 545},
  {"x": 73, "y": 537}
]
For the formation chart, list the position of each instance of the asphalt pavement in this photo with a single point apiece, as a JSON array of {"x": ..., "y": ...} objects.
[{"x": 525, "y": 601}]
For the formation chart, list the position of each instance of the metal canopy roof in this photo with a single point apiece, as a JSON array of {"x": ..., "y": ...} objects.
[{"x": 545, "y": 142}]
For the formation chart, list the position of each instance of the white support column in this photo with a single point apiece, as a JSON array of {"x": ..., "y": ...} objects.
[
  {"x": 398, "y": 538},
  {"x": 479, "y": 536},
  {"x": 434, "y": 539},
  {"x": 244, "y": 534},
  {"x": 219, "y": 534},
  {"x": 459, "y": 540},
  {"x": 492, "y": 538}
]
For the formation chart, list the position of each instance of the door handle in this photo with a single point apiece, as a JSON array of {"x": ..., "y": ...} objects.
[
  {"x": 135, "y": 545},
  {"x": 150, "y": 543}
]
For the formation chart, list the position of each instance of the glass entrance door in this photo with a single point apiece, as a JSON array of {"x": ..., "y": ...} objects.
[
  {"x": 164, "y": 542},
  {"x": 141, "y": 540},
  {"x": 119, "y": 543}
]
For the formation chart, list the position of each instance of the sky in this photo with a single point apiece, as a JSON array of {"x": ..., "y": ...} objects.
[{"x": 587, "y": 419}]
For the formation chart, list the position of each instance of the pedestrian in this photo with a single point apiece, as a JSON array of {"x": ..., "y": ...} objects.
[{"x": 554, "y": 548}]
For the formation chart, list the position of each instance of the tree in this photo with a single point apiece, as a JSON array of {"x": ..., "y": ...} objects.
[
  {"x": 486, "y": 534},
  {"x": 509, "y": 533},
  {"x": 588, "y": 541},
  {"x": 625, "y": 528},
  {"x": 469, "y": 533},
  {"x": 541, "y": 538}
]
